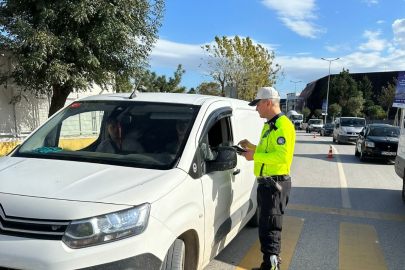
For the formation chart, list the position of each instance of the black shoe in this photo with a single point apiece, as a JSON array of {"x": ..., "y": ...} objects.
[{"x": 271, "y": 268}]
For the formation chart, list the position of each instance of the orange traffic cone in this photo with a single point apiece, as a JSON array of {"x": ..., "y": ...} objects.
[
  {"x": 314, "y": 135},
  {"x": 330, "y": 153}
]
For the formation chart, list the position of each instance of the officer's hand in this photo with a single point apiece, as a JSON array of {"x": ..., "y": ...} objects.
[
  {"x": 246, "y": 144},
  {"x": 248, "y": 154}
]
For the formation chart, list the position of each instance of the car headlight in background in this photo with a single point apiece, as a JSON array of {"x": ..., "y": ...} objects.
[
  {"x": 106, "y": 228},
  {"x": 369, "y": 144},
  {"x": 343, "y": 131}
]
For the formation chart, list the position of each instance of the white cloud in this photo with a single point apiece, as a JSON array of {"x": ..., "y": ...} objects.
[
  {"x": 371, "y": 2},
  {"x": 337, "y": 48},
  {"x": 380, "y": 21},
  {"x": 298, "y": 66},
  {"x": 298, "y": 15},
  {"x": 398, "y": 27},
  {"x": 170, "y": 54},
  {"x": 373, "y": 43}
]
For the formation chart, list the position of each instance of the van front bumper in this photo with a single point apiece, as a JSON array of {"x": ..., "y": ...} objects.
[
  {"x": 144, "y": 251},
  {"x": 347, "y": 138}
]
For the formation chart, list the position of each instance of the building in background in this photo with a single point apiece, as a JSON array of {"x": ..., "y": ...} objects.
[
  {"x": 292, "y": 100},
  {"x": 312, "y": 97},
  {"x": 19, "y": 120}
]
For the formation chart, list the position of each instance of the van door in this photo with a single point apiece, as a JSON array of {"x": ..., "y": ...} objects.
[
  {"x": 249, "y": 126},
  {"x": 220, "y": 188}
]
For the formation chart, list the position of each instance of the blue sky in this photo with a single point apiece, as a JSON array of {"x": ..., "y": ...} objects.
[{"x": 367, "y": 36}]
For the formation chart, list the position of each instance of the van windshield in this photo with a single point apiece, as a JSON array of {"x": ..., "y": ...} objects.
[
  {"x": 296, "y": 117},
  {"x": 136, "y": 134},
  {"x": 353, "y": 122},
  {"x": 316, "y": 122}
]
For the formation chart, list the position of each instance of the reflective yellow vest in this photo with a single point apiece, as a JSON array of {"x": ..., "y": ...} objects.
[{"x": 275, "y": 149}]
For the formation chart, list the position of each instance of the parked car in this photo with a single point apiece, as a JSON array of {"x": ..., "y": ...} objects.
[
  {"x": 347, "y": 129},
  {"x": 110, "y": 182},
  {"x": 314, "y": 125},
  {"x": 327, "y": 129},
  {"x": 377, "y": 141}
]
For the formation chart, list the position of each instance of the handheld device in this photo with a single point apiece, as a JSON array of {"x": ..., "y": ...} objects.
[{"x": 238, "y": 149}]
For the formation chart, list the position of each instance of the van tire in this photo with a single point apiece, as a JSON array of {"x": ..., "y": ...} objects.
[
  {"x": 254, "y": 221},
  {"x": 175, "y": 256}
]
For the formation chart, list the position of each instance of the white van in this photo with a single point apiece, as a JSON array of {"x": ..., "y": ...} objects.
[
  {"x": 296, "y": 119},
  {"x": 76, "y": 196},
  {"x": 347, "y": 129},
  {"x": 314, "y": 125}
]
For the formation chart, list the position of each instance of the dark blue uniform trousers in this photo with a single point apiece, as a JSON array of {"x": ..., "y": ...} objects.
[{"x": 271, "y": 206}]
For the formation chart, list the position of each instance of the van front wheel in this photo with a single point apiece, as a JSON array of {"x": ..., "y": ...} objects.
[{"x": 175, "y": 256}]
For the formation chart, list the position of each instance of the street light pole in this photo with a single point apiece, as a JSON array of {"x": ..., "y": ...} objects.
[
  {"x": 295, "y": 97},
  {"x": 327, "y": 93}
]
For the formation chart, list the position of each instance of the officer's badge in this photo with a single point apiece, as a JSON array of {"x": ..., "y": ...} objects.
[{"x": 281, "y": 141}]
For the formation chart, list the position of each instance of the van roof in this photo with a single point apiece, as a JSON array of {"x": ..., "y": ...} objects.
[{"x": 178, "y": 98}]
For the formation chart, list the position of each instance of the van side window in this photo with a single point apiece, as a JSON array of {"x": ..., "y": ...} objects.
[{"x": 220, "y": 134}]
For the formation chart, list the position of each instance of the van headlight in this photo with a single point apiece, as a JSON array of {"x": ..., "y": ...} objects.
[
  {"x": 369, "y": 144},
  {"x": 106, "y": 228},
  {"x": 343, "y": 131}
]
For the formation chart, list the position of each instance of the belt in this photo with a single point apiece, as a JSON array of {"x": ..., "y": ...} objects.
[{"x": 278, "y": 178}]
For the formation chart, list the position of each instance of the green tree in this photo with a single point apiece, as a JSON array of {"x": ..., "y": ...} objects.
[
  {"x": 355, "y": 105},
  {"x": 151, "y": 82},
  {"x": 61, "y": 46},
  {"x": 209, "y": 88},
  {"x": 192, "y": 91},
  {"x": 375, "y": 111},
  {"x": 306, "y": 112},
  {"x": 366, "y": 87},
  {"x": 240, "y": 63},
  {"x": 387, "y": 95},
  {"x": 342, "y": 88},
  {"x": 334, "y": 110},
  {"x": 318, "y": 112}
]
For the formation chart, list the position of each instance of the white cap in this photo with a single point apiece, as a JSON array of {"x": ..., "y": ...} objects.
[{"x": 264, "y": 93}]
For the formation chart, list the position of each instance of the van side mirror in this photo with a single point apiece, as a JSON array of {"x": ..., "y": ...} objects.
[{"x": 226, "y": 159}]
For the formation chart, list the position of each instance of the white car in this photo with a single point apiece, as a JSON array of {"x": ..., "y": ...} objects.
[{"x": 77, "y": 193}]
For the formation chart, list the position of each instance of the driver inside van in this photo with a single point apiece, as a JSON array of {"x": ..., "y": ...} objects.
[{"x": 118, "y": 142}]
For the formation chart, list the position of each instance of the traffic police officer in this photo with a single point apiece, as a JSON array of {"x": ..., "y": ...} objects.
[{"x": 272, "y": 162}]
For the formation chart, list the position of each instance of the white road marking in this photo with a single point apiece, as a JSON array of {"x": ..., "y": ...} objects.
[{"x": 343, "y": 183}]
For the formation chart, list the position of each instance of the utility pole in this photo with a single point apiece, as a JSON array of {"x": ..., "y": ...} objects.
[
  {"x": 327, "y": 93},
  {"x": 295, "y": 97}
]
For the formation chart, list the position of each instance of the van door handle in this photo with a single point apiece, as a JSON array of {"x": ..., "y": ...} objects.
[{"x": 236, "y": 172}]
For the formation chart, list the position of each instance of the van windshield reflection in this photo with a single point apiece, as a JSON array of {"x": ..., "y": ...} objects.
[
  {"x": 138, "y": 134},
  {"x": 353, "y": 122}
]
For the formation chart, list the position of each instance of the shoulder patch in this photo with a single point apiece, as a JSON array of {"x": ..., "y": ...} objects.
[{"x": 281, "y": 141}]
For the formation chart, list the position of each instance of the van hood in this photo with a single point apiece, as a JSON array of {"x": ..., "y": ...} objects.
[
  {"x": 350, "y": 129},
  {"x": 86, "y": 182}
]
